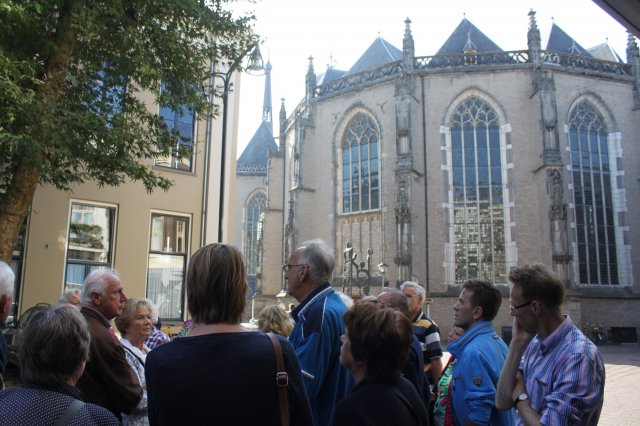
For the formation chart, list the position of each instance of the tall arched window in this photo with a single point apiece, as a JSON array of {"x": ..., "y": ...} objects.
[
  {"x": 478, "y": 206},
  {"x": 360, "y": 187},
  {"x": 255, "y": 207},
  {"x": 595, "y": 228}
]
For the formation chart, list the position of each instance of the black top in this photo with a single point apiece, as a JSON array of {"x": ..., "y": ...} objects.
[
  {"x": 374, "y": 404},
  {"x": 222, "y": 378},
  {"x": 32, "y": 404}
]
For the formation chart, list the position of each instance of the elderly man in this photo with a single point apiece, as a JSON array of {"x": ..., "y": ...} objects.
[
  {"x": 7, "y": 278},
  {"x": 108, "y": 379},
  {"x": 319, "y": 325},
  {"x": 70, "y": 297},
  {"x": 426, "y": 331},
  {"x": 480, "y": 355},
  {"x": 553, "y": 373}
]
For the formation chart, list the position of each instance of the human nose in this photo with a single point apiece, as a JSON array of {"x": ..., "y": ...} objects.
[{"x": 123, "y": 297}]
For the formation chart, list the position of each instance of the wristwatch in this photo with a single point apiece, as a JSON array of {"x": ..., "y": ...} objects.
[{"x": 521, "y": 397}]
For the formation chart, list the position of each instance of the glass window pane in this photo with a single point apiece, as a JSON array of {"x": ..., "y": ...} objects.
[{"x": 165, "y": 285}]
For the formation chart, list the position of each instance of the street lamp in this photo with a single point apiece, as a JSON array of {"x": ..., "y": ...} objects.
[
  {"x": 255, "y": 66},
  {"x": 382, "y": 268}
]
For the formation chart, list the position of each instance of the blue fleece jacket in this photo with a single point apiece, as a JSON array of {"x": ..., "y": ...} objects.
[
  {"x": 480, "y": 354},
  {"x": 316, "y": 339}
]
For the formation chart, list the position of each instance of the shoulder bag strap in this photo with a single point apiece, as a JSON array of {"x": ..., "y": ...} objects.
[
  {"x": 69, "y": 412},
  {"x": 282, "y": 380}
]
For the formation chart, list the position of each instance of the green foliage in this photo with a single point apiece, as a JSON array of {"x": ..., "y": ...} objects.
[{"x": 71, "y": 74}]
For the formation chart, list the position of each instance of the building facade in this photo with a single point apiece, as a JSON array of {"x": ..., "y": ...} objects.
[
  {"x": 147, "y": 237},
  {"x": 465, "y": 164}
]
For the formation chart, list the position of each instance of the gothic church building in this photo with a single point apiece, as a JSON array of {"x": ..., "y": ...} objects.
[{"x": 457, "y": 165}]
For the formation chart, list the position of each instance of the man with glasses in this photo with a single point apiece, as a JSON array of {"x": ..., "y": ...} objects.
[
  {"x": 553, "y": 373},
  {"x": 319, "y": 325},
  {"x": 480, "y": 354}
]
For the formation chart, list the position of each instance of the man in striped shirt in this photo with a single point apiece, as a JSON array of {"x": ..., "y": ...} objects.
[{"x": 553, "y": 373}]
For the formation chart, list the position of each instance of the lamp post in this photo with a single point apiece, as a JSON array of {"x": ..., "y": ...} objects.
[
  {"x": 382, "y": 268},
  {"x": 255, "y": 66}
]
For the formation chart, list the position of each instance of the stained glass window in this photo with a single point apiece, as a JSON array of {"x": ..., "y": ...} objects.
[
  {"x": 595, "y": 229},
  {"x": 254, "y": 210},
  {"x": 477, "y": 201},
  {"x": 360, "y": 168}
]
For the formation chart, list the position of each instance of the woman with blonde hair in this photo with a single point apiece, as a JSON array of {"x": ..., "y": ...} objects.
[
  {"x": 204, "y": 372},
  {"x": 135, "y": 325},
  {"x": 274, "y": 319}
]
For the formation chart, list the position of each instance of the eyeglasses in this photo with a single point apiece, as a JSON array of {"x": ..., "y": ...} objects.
[
  {"x": 286, "y": 267},
  {"x": 514, "y": 309}
]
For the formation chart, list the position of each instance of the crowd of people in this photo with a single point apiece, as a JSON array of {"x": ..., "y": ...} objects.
[{"x": 326, "y": 361}]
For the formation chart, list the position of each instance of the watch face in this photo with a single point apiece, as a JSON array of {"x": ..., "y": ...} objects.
[{"x": 522, "y": 397}]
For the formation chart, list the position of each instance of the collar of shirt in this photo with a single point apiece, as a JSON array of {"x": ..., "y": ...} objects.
[
  {"x": 552, "y": 340},
  {"x": 94, "y": 313},
  {"x": 309, "y": 300}
]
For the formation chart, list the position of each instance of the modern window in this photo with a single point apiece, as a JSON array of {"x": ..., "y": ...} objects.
[
  {"x": 168, "y": 248},
  {"x": 181, "y": 123},
  {"x": 360, "y": 166},
  {"x": 477, "y": 193},
  {"x": 255, "y": 208},
  {"x": 594, "y": 213},
  {"x": 89, "y": 241}
]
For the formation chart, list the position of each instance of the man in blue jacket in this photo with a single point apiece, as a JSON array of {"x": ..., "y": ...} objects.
[
  {"x": 480, "y": 353},
  {"x": 319, "y": 325}
]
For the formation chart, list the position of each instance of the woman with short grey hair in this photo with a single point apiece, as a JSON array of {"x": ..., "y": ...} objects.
[
  {"x": 53, "y": 354},
  {"x": 135, "y": 325}
]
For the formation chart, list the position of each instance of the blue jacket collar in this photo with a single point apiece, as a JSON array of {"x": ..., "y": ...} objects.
[
  {"x": 483, "y": 327},
  {"x": 315, "y": 294}
]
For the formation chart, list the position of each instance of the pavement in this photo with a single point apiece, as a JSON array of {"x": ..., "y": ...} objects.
[{"x": 621, "y": 391}]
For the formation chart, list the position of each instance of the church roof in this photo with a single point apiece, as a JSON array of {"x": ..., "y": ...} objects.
[
  {"x": 329, "y": 75},
  {"x": 604, "y": 52},
  {"x": 379, "y": 53},
  {"x": 561, "y": 42},
  {"x": 258, "y": 149},
  {"x": 463, "y": 36}
]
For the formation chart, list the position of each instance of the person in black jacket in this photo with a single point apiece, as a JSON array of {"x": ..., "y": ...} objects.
[
  {"x": 53, "y": 354},
  {"x": 375, "y": 347}
]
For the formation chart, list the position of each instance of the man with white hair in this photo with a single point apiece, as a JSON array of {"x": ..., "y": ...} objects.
[
  {"x": 70, "y": 297},
  {"x": 108, "y": 379},
  {"x": 7, "y": 278},
  {"x": 427, "y": 332}
]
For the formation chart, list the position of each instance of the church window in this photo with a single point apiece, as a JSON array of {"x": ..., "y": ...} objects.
[
  {"x": 255, "y": 208},
  {"x": 477, "y": 193},
  {"x": 594, "y": 213},
  {"x": 360, "y": 167}
]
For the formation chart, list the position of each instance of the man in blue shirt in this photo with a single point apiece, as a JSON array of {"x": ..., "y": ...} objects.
[
  {"x": 319, "y": 325},
  {"x": 553, "y": 374},
  {"x": 480, "y": 354}
]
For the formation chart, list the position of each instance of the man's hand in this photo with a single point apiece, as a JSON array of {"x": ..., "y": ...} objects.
[{"x": 519, "y": 336}]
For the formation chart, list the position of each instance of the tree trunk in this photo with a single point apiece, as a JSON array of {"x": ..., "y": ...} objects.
[{"x": 15, "y": 203}]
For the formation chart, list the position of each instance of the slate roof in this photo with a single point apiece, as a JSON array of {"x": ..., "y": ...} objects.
[
  {"x": 329, "y": 75},
  {"x": 604, "y": 52},
  {"x": 464, "y": 33},
  {"x": 561, "y": 42},
  {"x": 380, "y": 52},
  {"x": 258, "y": 149}
]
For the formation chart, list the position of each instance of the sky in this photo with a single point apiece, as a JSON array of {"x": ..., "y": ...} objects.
[{"x": 340, "y": 31}]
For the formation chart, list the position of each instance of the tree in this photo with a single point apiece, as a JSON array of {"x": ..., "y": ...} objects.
[{"x": 69, "y": 75}]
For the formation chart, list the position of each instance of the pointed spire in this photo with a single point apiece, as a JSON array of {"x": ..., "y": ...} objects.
[
  {"x": 533, "y": 36},
  {"x": 632, "y": 48},
  {"x": 310, "y": 80},
  {"x": 267, "y": 110},
  {"x": 408, "y": 47},
  {"x": 283, "y": 124}
]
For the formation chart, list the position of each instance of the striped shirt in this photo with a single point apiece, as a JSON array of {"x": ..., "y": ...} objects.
[{"x": 564, "y": 377}]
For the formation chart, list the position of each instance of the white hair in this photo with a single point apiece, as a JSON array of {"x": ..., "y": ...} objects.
[
  {"x": 420, "y": 291},
  {"x": 7, "y": 279},
  {"x": 67, "y": 295},
  {"x": 96, "y": 282}
]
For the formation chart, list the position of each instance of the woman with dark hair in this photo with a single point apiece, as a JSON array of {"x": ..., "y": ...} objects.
[
  {"x": 53, "y": 354},
  {"x": 199, "y": 378},
  {"x": 375, "y": 346}
]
